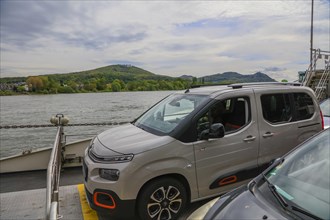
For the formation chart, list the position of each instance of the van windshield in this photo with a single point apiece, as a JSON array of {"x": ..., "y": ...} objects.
[{"x": 165, "y": 116}]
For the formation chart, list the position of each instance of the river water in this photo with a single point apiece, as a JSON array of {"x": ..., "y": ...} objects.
[{"x": 79, "y": 108}]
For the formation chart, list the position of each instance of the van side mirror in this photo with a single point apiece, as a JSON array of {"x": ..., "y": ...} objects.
[
  {"x": 205, "y": 134},
  {"x": 216, "y": 130}
]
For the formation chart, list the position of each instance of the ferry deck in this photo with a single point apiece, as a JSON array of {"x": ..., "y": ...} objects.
[{"x": 23, "y": 196}]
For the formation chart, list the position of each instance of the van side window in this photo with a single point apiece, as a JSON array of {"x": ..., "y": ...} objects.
[
  {"x": 233, "y": 113},
  {"x": 276, "y": 108},
  {"x": 304, "y": 106},
  {"x": 238, "y": 113}
]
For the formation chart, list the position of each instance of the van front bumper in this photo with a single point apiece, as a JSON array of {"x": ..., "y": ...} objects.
[{"x": 106, "y": 202}]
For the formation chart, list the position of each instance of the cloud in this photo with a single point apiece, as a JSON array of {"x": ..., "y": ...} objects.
[
  {"x": 164, "y": 37},
  {"x": 98, "y": 41},
  {"x": 23, "y": 22}
]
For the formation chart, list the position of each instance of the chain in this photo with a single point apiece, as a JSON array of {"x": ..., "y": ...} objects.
[
  {"x": 102, "y": 123},
  {"x": 69, "y": 125}
]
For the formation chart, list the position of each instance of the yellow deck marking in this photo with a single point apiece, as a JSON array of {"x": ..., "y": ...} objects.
[{"x": 88, "y": 213}]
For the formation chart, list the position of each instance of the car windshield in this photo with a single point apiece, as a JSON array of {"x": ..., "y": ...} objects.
[
  {"x": 303, "y": 178},
  {"x": 325, "y": 107},
  {"x": 165, "y": 116}
]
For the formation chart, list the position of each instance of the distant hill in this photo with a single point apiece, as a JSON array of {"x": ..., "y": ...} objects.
[
  {"x": 125, "y": 73},
  {"x": 234, "y": 77},
  {"x": 116, "y": 78},
  {"x": 112, "y": 78},
  {"x": 188, "y": 77},
  {"x": 128, "y": 73}
]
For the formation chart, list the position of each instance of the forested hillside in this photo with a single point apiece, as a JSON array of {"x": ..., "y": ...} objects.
[
  {"x": 233, "y": 77},
  {"x": 116, "y": 78},
  {"x": 110, "y": 78}
]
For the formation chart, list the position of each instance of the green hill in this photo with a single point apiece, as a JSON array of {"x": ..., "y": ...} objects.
[
  {"x": 125, "y": 73},
  {"x": 109, "y": 78},
  {"x": 116, "y": 78},
  {"x": 233, "y": 77}
]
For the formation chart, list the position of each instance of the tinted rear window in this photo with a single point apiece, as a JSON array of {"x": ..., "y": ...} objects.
[
  {"x": 304, "y": 106},
  {"x": 284, "y": 107},
  {"x": 276, "y": 108}
]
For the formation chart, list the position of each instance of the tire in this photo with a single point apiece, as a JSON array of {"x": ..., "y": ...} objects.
[{"x": 162, "y": 199}]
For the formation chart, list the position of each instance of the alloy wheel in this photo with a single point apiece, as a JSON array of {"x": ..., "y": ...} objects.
[{"x": 164, "y": 202}]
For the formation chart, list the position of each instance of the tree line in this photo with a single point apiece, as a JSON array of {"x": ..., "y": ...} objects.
[
  {"x": 113, "y": 78},
  {"x": 51, "y": 85}
]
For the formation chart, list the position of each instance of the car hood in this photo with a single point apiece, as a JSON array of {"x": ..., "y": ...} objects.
[
  {"x": 127, "y": 139},
  {"x": 242, "y": 204}
]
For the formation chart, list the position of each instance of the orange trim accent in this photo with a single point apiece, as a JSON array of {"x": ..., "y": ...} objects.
[
  {"x": 103, "y": 205},
  {"x": 228, "y": 180}
]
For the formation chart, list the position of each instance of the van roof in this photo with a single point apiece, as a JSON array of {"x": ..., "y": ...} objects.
[{"x": 215, "y": 88}]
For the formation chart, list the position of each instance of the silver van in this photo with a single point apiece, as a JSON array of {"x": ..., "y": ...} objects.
[{"x": 195, "y": 144}]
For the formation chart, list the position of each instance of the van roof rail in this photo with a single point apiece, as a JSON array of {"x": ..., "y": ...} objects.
[
  {"x": 240, "y": 85},
  {"x": 204, "y": 85}
]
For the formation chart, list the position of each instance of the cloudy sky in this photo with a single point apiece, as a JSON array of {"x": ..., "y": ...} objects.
[{"x": 165, "y": 37}]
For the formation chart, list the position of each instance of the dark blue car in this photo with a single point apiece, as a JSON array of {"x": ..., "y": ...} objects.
[{"x": 296, "y": 186}]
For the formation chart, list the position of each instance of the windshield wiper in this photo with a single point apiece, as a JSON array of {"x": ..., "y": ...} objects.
[
  {"x": 277, "y": 195},
  {"x": 298, "y": 209},
  {"x": 251, "y": 185},
  {"x": 284, "y": 204}
]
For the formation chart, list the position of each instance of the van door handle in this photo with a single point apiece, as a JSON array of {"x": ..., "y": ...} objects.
[
  {"x": 249, "y": 138},
  {"x": 268, "y": 134}
]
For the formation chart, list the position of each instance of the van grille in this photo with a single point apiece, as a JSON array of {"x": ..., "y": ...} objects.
[
  {"x": 111, "y": 159},
  {"x": 94, "y": 157}
]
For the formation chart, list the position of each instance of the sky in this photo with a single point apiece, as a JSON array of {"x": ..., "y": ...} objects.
[{"x": 171, "y": 38}]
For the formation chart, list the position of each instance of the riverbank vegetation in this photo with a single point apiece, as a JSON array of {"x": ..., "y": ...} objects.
[
  {"x": 116, "y": 78},
  {"x": 113, "y": 78}
]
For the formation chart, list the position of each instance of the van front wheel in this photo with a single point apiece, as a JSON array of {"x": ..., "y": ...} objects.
[{"x": 163, "y": 199}]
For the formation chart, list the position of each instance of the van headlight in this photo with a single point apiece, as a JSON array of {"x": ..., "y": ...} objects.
[
  {"x": 119, "y": 158},
  {"x": 109, "y": 174}
]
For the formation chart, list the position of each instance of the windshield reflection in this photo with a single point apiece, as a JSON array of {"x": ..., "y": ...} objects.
[
  {"x": 165, "y": 116},
  {"x": 303, "y": 178}
]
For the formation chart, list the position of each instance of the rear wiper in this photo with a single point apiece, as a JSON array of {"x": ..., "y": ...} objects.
[{"x": 275, "y": 193}]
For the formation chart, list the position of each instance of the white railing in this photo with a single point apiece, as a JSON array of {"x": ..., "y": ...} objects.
[
  {"x": 310, "y": 72},
  {"x": 323, "y": 84},
  {"x": 54, "y": 170}
]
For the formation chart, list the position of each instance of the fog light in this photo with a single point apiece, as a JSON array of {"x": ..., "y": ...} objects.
[{"x": 109, "y": 174}]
